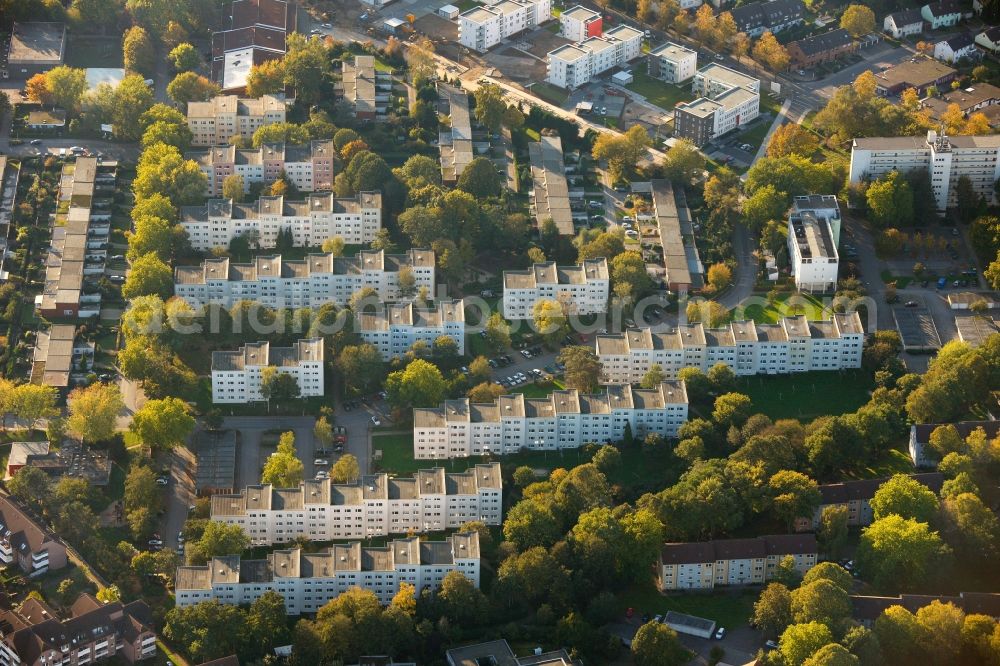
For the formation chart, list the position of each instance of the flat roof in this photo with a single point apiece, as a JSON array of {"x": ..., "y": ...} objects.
[
  {"x": 672, "y": 51},
  {"x": 917, "y": 72},
  {"x": 37, "y": 43},
  {"x": 551, "y": 192}
]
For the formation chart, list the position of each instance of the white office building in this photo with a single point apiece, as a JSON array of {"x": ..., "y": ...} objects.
[
  {"x": 945, "y": 158},
  {"x": 563, "y": 420},
  {"x": 580, "y": 289},
  {"x": 483, "y": 27},
  {"x": 572, "y": 65},
  {"x": 375, "y": 505},
  {"x": 307, "y": 581},
  {"x": 792, "y": 345},
  {"x": 236, "y": 375},
  {"x": 812, "y": 250},
  {"x": 672, "y": 63},
  {"x": 397, "y": 326},
  {"x": 578, "y": 23},
  {"x": 310, "y": 282}
]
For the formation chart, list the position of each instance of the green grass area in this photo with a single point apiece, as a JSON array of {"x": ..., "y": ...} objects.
[
  {"x": 538, "y": 390},
  {"x": 770, "y": 104},
  {"x": 806, "y": 395},
  {"x": 729, "y": 609},
  {"x": 465, "y": 5},
  {"x": 549, "y": 93},
  {"x": 786, "y": 304},
  {"x": 93, "y": 52},
  {"x": 900, "y": 280},
  {"x": 755, "y": 136},
  {"x": 553, "y": 28},
  {"x": 662, "y": 94}
]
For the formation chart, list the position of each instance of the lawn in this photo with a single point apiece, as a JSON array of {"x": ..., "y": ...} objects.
[
  {"x": 93, "y": 52},
  {"x": 662, "y": 94},
  {"x": 538, "y": 390},
  {"x": 806, "y": 395},
  {"x": 784, "y": 305},
  {"x": 729, "y": 609},
  {"x": 894, "y": 461},
  {"x": 755, "y": 136},
  {"x": 549, "y": 93}
]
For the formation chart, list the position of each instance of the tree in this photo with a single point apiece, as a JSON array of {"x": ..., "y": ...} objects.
[
  {"x": 109, "y": 594},
  {"x": 30, "y": 402},
  {"x": 791, "y": 139},
  {"x": 66, "y": 86},
  {"x": 480, "y": 179},
  {"x": 683, "y": 161},
  {"x": 267, "y": 622},
  {"x": 621, "y": 151},
  {"x": 900, "y": 553},
  {"x": 184, "y": 57},
  {"x": 513, "y": 118},
  {"x": 656, "y": 644},
  {"x": 148, "y": 275},
  {"x": 904, "y": 496},
  {"x": 772, "y": 613},
  {"x": 900, "y": 634},
  {"x": 283, "y": 468},
  {"x": 209, "y": 629},
  {"x": 549, "y": 320},
  {"x": 176, "y": 135},
  {"x": 142, "y": 500},
  {"x": 233, "y": 187},
  {"x": 607, "y": 458},
  {"x": 971, "y": 527},
  {"x": 583, "y": 368},
  {"x": 497, "y": 332},
  {"x": 151, "y": 235},
  {"x": 463, "y": 602},
  {"x": 529, "y": 524},
  {"x": 346, "y": 469},
  {"x": 191, "y": 87},
  {"x": 858, "y": 20},
  {"x": 419, "y": 385},
  {"x": 93, "y": 412},
  {"x": 162, "y": 170},
  {"x": 490, "y": 106},
  {"x": 771, "y": 54},
  {"x": 37, "y": 89},
  {"x": 653, "y": 377},
  {"x": 266, "y": 78},
  {"x": 307, "y": 66},
  {"x": 822, "y": 601},
  {"x": 793, "y": 495},
  {"x": 420, "y": 58},
  {"x": 360, "y": 367},
  {"x": 335, "y": 245},
  {"x": 138, "y": 52},
  {"x": 801, "y": 641},
  {"x": 31, "y": 485},
  {"x": 766, "y": 203},
  {"x": 162, "y": 424},
  {"x": 731, "y": 409},
  {"x": 629, "y": 276},
  {"x": 719, "y": 276},
  {"x": 890, "y": 201},
  {"x": 711, "y": 313},
  {"x": 705, "y": 25},
  {"x": 832, "y": 532},
  {"x": 832, "y": 654},
  {"x": 278, "y": 386}
]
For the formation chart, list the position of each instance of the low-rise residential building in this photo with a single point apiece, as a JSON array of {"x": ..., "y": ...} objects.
[
  {"x": 395, "y": 327},
  {"x": 812, "y": 252},
  {"x": 308, "y": 167},
  {"x": 215, "y": 122},
  {"x": 580, "y": 289},
  {"x": 958, "y": 47},
  {"x": 319, "y": 278},
  {"x": 923, "y": 456},
  {"x": 237, "y": 376},
  {"x": 307, "y": 581},
  {"x": 253, "y": 32},
  {"x": 499, "y": 653},
  {"x": 942, "y": 14},
  {"x": 550, "y": 191},
  {"x": 46, "y": 119},
  {"x": 672, "y": 63},
  {"x": 57, "y": 354},
  {"x": 572, "y": 65},
  {"x": 26, "y": 544},
  {"x": 21, "y": 454},
  {"x": 10, "y": 176},
  {"x": 919, "y": 73},
  {"x": 682, "y": 267},
  {"x": 310, "y": 221},
  {"x": 34, "y": 635},
  {"x": 455, "y": 139},
  {"x": 856, "y": 497},
  {"x": 579, "y": 23},
  {"x": 989, "y": 39},
  {"x": 726, "y": 100},
  {"x": 35, "y": 47},
  {"x": 946, "y": 158},
  {"x": 375, "y": 505},
  {"x": 365, "y": 89},
  {"x": 811, "y": 51},
  {"x": 757, "y": 18},
  {"x": 792, "y": 345},
  {"x": 866, "y": 609},
  {"x": 903, "y": 23},
  {"x": 564, "y": 420},
  {"x": 710, "y": 564},
  {"x": 483, "y": 27}
]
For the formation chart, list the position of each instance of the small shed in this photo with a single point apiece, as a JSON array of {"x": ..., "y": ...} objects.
[
  {"x": 393, "y": 25},
  {"x": 449, "y": 12},
  {"x": 623, "y": 78},
  {"x": 689, "y": 624}
]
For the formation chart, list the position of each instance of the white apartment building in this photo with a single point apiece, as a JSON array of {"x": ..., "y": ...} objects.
[
  {"x": 572, "y": 65},
  {"x": 672, "y": 63},
  {"x": 310, "y": 282},
  {"x": 375, "y": 505},
  {"x": 564, "y": 420},
  {"x": 581, "y": 289},
  {"x": 308, "y": 167},
  {"x": 812, "y": 251},
  {"x": 946, "y": 159},
  {"x": 709, "y": 564},
  {"x": 727, "y": 100},
  {"x": 481, "y": 28},
  {"x": 792, "y": 345},
  {"x": 236, "y": 375},
  {"x": 311, "y": 221},
  {"x": 307, "y": 581},
  {"x": 397, "y": 326},
  {"x": 215, "y": 122},
  {"x": 578, "y": 23},
  {"x": 714, "y": 79}
]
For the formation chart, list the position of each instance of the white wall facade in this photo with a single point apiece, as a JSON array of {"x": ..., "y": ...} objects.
[{"x": 393, "y": 332}]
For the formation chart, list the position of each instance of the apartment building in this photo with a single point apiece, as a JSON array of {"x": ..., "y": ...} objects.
[
  {"x": 579, "y": 23},
  {"x": 455, "y": 139},
  {"x": 826, "y": 47},
  {"x": 710, "y": 564},
  {"x": 26, "y": 544},
  {"x": 572, "y": 65},
  {"x": 581, "y": 289},
  {"x": 920, "y": 436},
  {"x": 375, "y": 505},
  {"x": 75, "y": 256},
  {"x": 310, "y": 282},
  {"x": 812, "y": 251},
  {"x": 903, "y": 23},
  {"x": 672, "y": 63},
  {"x": 308, "y": 167},
  {"x": 251, "y": 32},
  {"x": 307, "y": 581},
  {"x": 34, "y": 635},
  {"x": 311, "y": 221},
  {"x": 395, "y": 327},
  {"x": 792, "y": 345},
  {"x": 856, "y": 497},
  {"x": 726, "y": 100},
  {"x": 215, "y": 122},
  {"x": 822, "y": 206},
  {"x": 360, "y": 83},
  {"x": 867, "y": 609},
  {"x": 759, "y": 17},
  {"x": 550, "y": 190},
  {"x": 563, "y": 420},
  {"x": 236, "y": 375},
  {"x": 483, "y": 27},
  {"x": 682, "y": 267},
  {"x": 945, "y": 158}
]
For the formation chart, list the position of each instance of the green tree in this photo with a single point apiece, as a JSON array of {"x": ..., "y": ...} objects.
[
  {"x": 346, "y": 469},
  {"x": 731, "y": 409},
  {"x": 823, "y": 601},
  {"x": 162, "y": 424},
  {"x": 191, "y": 87},
  {"x": 497, "y": 332},
  {"x": 266, "y": 78},
  {"x": 550, "y": 320},
  {"x": 130, "y": 100},
  {"x": 832, "y": 572},
  {"x": 184, "y": 57},
  {"x": 971, "y": 527},
  {"x": 208, "y": 630},
  {"x": 30, "y": 402},
  {"x": 622, "y": 151},
  {"x": 138, "y": 52},
  {"x": 898, "y": 552},
  {"x": 283, "y": 468},
  {"x": 480, "y": 179},
  {"x": 151, "y": 235},
  {"x": 93, "y": 412},
  {"x": 904, "y": 496},
  {"x": 683, "y": 162},
  {"x": 583, "y": 368},
  {"x": 152, "y": 562},
  {"x": 801, "y": 641},
  {"x": 233, "y": 187},
  {"x": 148, "y": 275},
  {"x": 629, "y": 277},
  {"x": 490, "y": 106},
  {"x": 162, "y": 170},
  {"x": 653, "y": 377},
  {"x": 66, "y": 86},
  {"x": 267, "y": 622},
  {"x": 360, "y": 367},
  {"x": 462, "y": 600},
  {"x": 218, "y": 539},
  {"x": 656, "y": 644},
  {"x": 832, "y": 654},
  {"x": 178, "y": 136},
  {"x": 890, "y": 201},
  {"x": 772, "y": 613},
  {"x": 529, "y": 523},
  {"x": 419, "y": 385},
  {"x": 31, "y": 485},
  {"x": 307, "y": 66},
  {"x": 766, "y": 203},
  {"x": 278, "y": 386},
  {"x": 793, "y": 495},
  {"x": 288, "y": 133}
]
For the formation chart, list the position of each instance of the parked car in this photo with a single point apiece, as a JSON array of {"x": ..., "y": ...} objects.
[
  {"x": 911, "y": 304},
  {"x": 162, "y": 481},
  {"x": 35, "y": 142},
  {"x": 155, "y": 542},
  {"x": 720, "y": 633},
  {"x": 376, "y": 421},
  {"x": 320, "y": 462}
]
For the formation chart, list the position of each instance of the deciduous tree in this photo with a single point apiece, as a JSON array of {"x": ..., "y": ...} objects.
[{"x": 93, "y": 412}]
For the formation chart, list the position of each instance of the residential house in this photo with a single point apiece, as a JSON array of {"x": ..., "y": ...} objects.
[
  {"x": 920, "y": 435},
  {"x": 455, "y": 139},
  {"x": 682, "y": 267},
  {"x": 959, "y": 47},
  {"x": 989, "y": 39},
  {"x": 499, "y": 653},
  {"x": 366, "y": 90},
  {"x": 482, "y": 27},
  {"x": 812, "y": 251},
  {"x": 756, "y": 18},
  {"x": 726, "y": 100},
  {"x": 942, "y": 14},
  {"x": 572, "y": 65},
  {"x": 579, "y": 23},
  {"x": 308, "y": 167},
  {"x": 920, "y": 73},
  {"x": 976, "y": 97},
  {"x": 27, "y": 544},
  {"x": 550, "y": 190},
  {"x": 238, "y": 377},
  {"x": 825, "y": 47},
  {"x": 903, "y": 23},
  {"x": 250, "y": 33},
  {"x": 672, "y": 63},
  {"x": 723, "y": 562},
  {"x": 856, "y": 497}
]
